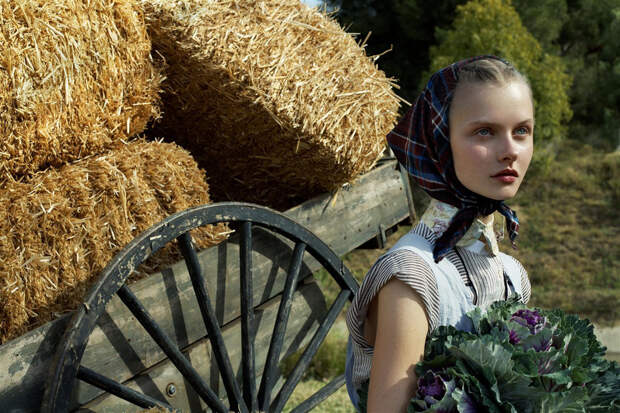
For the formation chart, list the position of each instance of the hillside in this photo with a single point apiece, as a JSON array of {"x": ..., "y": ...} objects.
[{"x": 569, "y": 232}]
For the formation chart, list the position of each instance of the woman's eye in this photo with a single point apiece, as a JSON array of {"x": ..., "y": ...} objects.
[
  {"x": 483, "y": 132},
  {"x": 522, "y": 130}
]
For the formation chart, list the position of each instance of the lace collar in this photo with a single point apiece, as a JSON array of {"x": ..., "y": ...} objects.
[{"x": 479, "y": 237}]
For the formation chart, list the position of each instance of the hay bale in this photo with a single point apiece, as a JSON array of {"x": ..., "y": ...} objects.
[
  {"x": 60, "y": 229},
  {"x": 74, "y": 77},
  {"x": 272, "y": 98}
]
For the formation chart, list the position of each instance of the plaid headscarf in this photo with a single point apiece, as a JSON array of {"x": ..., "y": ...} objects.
[{"x": 421, "y": 143}]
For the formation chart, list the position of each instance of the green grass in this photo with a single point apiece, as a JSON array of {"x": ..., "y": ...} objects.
[
  {"x": 336, "y": 403},
  {"x": 568, "y": 239},
  {"x": 327, "y": 364},
  {"x": 330, "y": 358}
]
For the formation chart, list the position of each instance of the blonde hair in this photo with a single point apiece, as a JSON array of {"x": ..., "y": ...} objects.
[{"x": 494, "y": 71}]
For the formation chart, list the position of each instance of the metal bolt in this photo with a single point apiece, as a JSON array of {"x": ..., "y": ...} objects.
[{"x": 171, "y": 389}]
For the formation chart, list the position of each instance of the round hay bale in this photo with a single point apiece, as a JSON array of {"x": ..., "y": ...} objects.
[
  {"x": 74, "y": 77},
  {"x": 273, "y": 98},
  {"x": 62, "y": 227}
]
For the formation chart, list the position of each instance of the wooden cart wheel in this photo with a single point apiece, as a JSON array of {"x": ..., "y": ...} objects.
[{"x": 243, "y": 397}]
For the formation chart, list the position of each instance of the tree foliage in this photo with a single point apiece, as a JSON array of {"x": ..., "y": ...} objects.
[
  {"x": 586, "y": 34},
  {"x": 405, "y": 27},
  {"x": 545, "y": 20},
  {"x": 590, "y": 42},
  {"x": 494, "y": 27}
]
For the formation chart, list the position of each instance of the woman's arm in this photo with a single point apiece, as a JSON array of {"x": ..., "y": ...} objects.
[{"x": 397, "y": 326}]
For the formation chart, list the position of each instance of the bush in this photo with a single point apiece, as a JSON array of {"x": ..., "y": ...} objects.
[{"x": 494, "y": 27}]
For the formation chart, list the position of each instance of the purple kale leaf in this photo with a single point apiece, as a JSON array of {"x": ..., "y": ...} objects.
[
  {"x": 514, "y": 337},
  {"x": 434, "y": 394},
  {"x": 531, "y": 319},
  {"x": 431, "y": 386}
]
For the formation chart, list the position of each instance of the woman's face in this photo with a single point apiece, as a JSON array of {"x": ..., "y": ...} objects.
[{"x": 491, "y": 136}]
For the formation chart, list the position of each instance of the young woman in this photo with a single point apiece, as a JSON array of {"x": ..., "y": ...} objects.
[{"x": 468, "y": 141}]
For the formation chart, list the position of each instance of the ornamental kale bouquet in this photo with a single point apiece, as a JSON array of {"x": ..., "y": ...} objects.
[{"x": 516, "y": 360}]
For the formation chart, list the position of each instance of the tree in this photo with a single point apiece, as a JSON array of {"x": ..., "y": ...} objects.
[
  {"x": 407, "y": 27},
  {"x": 590, "y": 43},
  {"x": 586, "y": 34},
  {"x": 494, "y": 27},
  {"x": 544, "y": 20}
]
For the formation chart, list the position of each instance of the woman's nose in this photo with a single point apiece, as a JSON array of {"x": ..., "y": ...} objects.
[{"x": 509, "y": 150}]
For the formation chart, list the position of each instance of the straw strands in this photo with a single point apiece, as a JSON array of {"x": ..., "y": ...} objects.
[
  {"x": 273, "y": 98},
  {"x": 60, "y": 229},
  {"x": 75, "y": 76}
]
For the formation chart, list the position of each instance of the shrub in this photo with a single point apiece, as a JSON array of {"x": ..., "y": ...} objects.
[{"x": 494, "y": 27}]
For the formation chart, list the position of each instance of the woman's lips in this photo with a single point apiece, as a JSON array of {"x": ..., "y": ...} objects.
[
  {"x": 507, "y": 175},
  {"x": 506, "y": 178}
]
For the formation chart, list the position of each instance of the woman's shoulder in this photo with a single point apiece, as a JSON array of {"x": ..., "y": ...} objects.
[
  {"x": 419, "y": 239},
  {"x": 398, "y": 261},
  {"x": 405, "y": 265},
  {"x": 513, "y": 262},
  {"x": 405, "y": 260}
]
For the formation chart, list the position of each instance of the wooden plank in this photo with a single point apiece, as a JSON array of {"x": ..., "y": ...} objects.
[
  {"x": 302, "y": 324},
  {"x": 24, "y": 365},
  {"x": 344, "y": 223},
  {"x": 169, "y": 298},
  {"x": 179, "y": 315},
  {"x": 351, "y": 217}
]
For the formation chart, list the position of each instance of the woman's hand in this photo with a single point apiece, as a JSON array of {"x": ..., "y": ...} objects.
[{"x": 397, "y": 326}]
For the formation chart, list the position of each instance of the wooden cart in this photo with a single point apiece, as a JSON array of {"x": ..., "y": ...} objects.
[{"x": 257, "y": 303}]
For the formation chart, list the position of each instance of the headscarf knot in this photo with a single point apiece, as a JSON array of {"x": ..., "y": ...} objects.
[{"x": 421, "y": 143}]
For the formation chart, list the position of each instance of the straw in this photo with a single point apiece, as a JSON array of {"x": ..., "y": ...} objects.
[
  {"x": 61, "y": 228},
  {"x": 75, "y": 76},
  {"x": 274, "y": 99}
]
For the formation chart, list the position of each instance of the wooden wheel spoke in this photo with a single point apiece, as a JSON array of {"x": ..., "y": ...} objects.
[
  {"x": 310, "y": 351},
  {"x": 247, "y": 316},
  {"x": 275, "y": 346},
  {"x": 126, "y": 393},
  {"x": 297, "y": 308},
  {"x": 320, "y": 395},
  {"x": 210, "y": 320},
  {"x": 170, "y": 349}
]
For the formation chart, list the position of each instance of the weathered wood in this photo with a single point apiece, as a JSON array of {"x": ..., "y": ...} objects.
[
  {"x": 24, "y": 365},
  {"x": 351, "y": 217},
  {"x": 179, "y": 314},
  {"x": 302, "y": 324},
  {"x": 169, "y": 298},
  {"x": 344, "y": 223},
  {"x": 406, "y": 180}
]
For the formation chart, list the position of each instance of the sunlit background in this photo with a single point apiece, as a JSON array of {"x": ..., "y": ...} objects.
[{"x": 312, "y": 3}]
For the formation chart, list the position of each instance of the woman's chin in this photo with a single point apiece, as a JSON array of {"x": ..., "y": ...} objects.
[
  {"x": 501, "y": 195},
  {"x": 497, "y": 194},
  {"x": 504, "y": 197}
]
